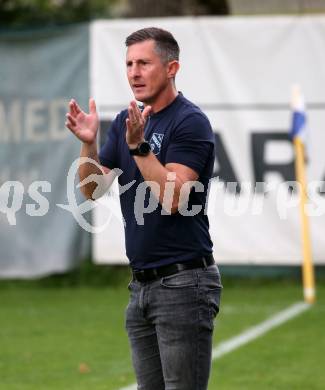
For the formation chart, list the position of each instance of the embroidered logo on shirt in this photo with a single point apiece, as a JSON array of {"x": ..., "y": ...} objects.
[{"x": 155, "y": 142}]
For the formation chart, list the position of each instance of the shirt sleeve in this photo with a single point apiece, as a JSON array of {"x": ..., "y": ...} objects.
[
  {"x": 192, "y": 143},
  {"x": 108, "y": 152}
]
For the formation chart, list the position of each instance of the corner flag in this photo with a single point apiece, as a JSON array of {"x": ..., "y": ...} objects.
[{"x": 298, "y": 134}]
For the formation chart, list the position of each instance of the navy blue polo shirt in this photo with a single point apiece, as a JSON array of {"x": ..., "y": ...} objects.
[{"x": 179, "y": 133}]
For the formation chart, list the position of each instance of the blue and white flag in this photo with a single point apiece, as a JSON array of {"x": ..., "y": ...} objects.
[{"x": 299, "y": 119}]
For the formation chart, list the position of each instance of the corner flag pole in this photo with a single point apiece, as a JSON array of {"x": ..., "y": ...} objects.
[{"x": 298, "y": 134}]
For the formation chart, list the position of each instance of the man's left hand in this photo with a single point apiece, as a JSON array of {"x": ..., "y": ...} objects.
[{"x": 135, "y": 124}]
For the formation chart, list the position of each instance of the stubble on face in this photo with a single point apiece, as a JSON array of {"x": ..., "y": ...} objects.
[{"x": 146, "y": 72}]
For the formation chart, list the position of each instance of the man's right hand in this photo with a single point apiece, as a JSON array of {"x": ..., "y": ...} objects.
[{"x": 84, "y": 126}]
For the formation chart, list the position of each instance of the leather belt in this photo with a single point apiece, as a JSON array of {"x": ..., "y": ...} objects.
[{"x": 150, "y": 274}]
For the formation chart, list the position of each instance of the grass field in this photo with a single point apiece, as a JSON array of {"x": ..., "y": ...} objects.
[{"x": 66, "y": 337}]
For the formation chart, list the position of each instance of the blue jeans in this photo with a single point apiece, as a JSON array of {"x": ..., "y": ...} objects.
[{"x": 170, "y": 325}]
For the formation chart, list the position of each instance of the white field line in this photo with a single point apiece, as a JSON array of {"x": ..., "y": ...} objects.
[
  {"x": 256, "y": 331},
  {"x": 131, "y": 387},
  {"x": 252, "y": 333}
]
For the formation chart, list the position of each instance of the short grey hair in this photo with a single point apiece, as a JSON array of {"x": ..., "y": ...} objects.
[{"x": 165, "y": 44}]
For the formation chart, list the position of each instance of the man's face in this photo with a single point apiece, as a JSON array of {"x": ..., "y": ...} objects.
[{"x": 146, "y": 73}]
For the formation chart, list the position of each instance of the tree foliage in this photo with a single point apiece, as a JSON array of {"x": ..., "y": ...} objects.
[
  {"x": 150, "y": 8},
  {"x": 20, "y": 13}
]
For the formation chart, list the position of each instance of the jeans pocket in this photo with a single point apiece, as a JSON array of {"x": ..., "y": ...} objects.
[
  {"x": 180, "y": 280},
  {"x": 209, "y": 279},
  {"x": 213, "y": 297},
  {"x": 211, "y": 288}
]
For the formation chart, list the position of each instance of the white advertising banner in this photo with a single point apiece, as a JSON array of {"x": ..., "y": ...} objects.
[{"x": 240, "y": 71}]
